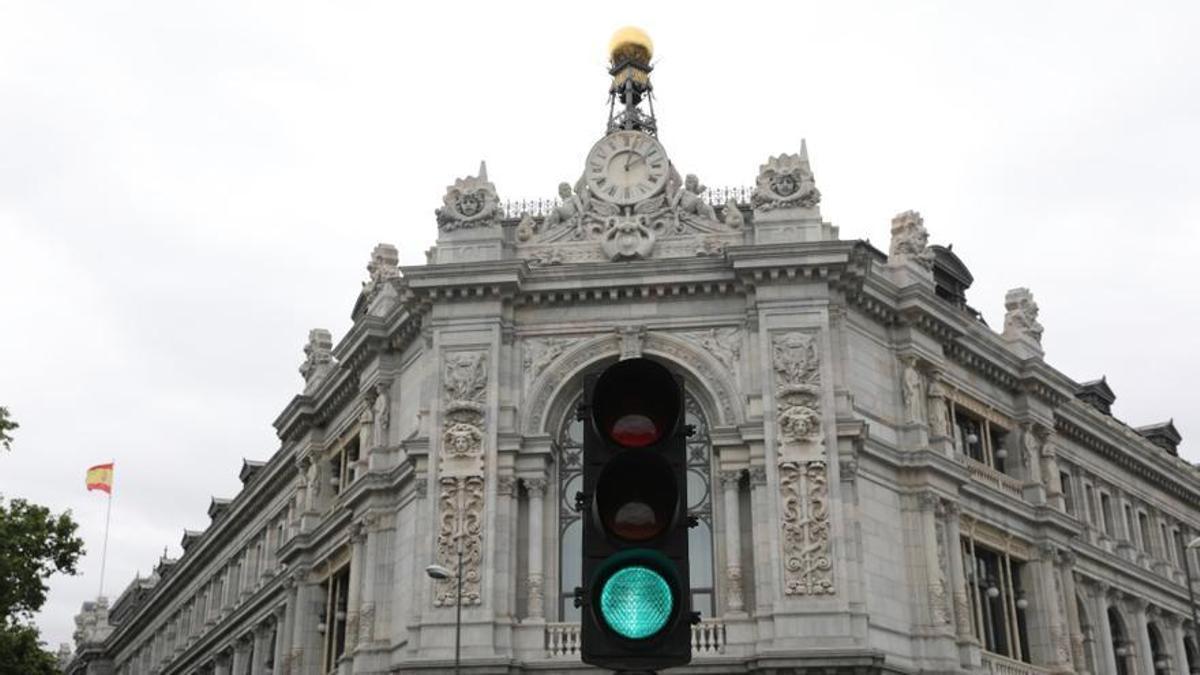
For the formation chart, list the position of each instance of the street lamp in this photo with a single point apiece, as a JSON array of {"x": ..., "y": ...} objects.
[
  {"x": 1187, "y": 569},
  {"x": 440, "y": 573}
]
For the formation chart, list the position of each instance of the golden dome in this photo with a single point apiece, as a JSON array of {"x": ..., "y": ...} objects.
[{"x": 630, "y": 42}]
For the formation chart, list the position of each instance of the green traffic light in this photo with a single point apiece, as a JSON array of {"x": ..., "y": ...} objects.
[{"x": 636, "y": 602}]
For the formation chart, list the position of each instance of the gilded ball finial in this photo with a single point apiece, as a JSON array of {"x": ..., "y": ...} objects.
[{"x": 630, "y": 43}]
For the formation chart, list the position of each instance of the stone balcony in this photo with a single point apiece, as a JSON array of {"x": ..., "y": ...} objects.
[
  {"x": 562, "y": 639},
  {"x": 994, "y": 664}
]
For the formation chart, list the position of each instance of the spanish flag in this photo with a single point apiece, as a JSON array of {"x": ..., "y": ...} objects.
[{"x": 100, "y": 477}]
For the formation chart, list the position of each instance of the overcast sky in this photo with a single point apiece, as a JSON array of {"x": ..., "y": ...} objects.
[{"x": 187, "y": 188}]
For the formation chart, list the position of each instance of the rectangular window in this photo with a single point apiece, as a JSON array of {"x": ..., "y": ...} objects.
[
  {"x": 342, "y": 465},
  {"x": 1089, "y": 496},
  {"x": 1180, "y": 552},
  {"x": 332, "y": 620},
  {"x": 1068, "y": 498},
  {"x": 996, "y": 596},
  {"x": 1130, "y": 531},
  {"x": 980, "y": 439},
  {"x": 1106, "y": 513},
  {"x": 1144, "y": 530}
]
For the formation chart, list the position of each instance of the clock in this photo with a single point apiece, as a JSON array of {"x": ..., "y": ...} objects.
[{"x": 626, "y": 167}]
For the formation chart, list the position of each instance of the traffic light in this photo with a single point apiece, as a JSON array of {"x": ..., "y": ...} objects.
[{"x": 635, "y": 596}]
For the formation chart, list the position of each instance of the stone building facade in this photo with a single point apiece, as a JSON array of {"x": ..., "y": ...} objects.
[{"x": 884, "y": 483}]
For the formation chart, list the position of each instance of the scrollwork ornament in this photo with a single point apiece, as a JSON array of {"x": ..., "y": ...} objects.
[{"x": 807, "y": 560}]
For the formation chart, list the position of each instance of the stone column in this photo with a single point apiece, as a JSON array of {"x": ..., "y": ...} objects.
[
  {"x": 958, "y": 579},
  {"x": 358, "y": 537},
  {"x": 764, "y": 575},
  {"x": 935, "y": 584},
  {"x": 366, "y": 612},
  {"x": 1067, "y": 570},
  {"x": 262, "y": 632},
  {"x": 734, "y": 600},
  {"x": 536, "y": 488},
  {"x": 221, "y": 664},
  {"x": 241, "y": 656},
  {"x": 1173, "y": 636},
  {"x": 304, "y": 654},
  {"x": 1107, "y": 660},
  {"x": 281, "y": 650},
  {"x": 1047, "y": 627},
  {"x": 1140, "y": 636}
]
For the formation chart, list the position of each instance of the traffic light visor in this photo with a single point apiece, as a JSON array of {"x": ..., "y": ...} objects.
[{"x": 636, "y": 403}]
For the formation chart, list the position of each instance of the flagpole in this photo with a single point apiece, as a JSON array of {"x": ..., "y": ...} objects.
[{"x": 104, "y": 550}]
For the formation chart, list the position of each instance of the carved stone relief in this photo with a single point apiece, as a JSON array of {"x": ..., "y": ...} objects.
[
  {"x": 723, "y": 343},
  {"x": 318, "y": 356},
  {"x": 586, "y": 227},
  {"x": 798, "y": 395},
  {"x": 807, "y": 563},
  {"x": 803, "y": 480},
  {"x": 541, "y": 352},
  {"x": 939, "y": 599},
  {"x": 381, "y": 270},
  {"x": 461, "y": 483},
  {"x": 910, "y": 240},
  {"x": 1020, "y": 316},
  {"x": 784, "y": 182},
  {"x": 938, "y": 410},
  {"x": 470, "y": 203}
]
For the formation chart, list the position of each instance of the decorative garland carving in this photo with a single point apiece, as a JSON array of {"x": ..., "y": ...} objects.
[
  {"x": 807, "y": 564},
  {"x": 941, "y": 608},
  {"x": 461, "y": 494}
]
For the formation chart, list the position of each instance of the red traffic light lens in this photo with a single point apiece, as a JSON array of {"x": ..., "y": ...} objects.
[
  {"x": 634, "y": 431},
  {"x": 636, "y": 403}
]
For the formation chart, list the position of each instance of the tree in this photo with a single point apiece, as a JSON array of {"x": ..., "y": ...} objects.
[
  {"x": 34, "y": 544},
  {"x": 6, "y": 425}
]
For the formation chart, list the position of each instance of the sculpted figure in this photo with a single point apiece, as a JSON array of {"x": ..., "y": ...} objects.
[
  {"x": 689, "y": 201},
  {"x": 912, "y": 392},
  {"x": 570, "y": 211},
  {"x": 1021, "y": 315}
]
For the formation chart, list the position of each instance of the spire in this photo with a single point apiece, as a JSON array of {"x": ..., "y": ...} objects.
[
  {"x": 482, "y": 169},
  {"x": 804, "y": 151},
  {"x": 629, "y": 54}
]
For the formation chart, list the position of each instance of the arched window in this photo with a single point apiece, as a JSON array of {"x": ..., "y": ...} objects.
[
  {"x": 699, "y": 498},
  {"x": 1122, "y": 649},
  {"x": 1158, "y": 656},
  {"x": 1193, "y": 654}
]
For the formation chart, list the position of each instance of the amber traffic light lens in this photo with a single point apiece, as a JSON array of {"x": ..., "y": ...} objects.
[{"x": 636, "y": 497}]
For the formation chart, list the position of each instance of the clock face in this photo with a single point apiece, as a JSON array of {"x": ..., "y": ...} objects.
[{"x": 626, "y": 167}]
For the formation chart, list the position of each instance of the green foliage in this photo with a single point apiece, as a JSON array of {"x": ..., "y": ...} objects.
[
  {"x": 21, "y": 652},
  {"x": 34, "y": 544},
  {"x": 6, "y": 425}
]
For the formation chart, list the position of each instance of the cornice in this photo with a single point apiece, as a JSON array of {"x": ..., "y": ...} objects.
[
  {"x": 267, "y": 484},
  {"x": 1094, "y": 431}
]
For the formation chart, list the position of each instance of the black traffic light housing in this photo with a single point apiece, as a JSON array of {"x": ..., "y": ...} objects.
[{"x": 636, "y": 596}]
